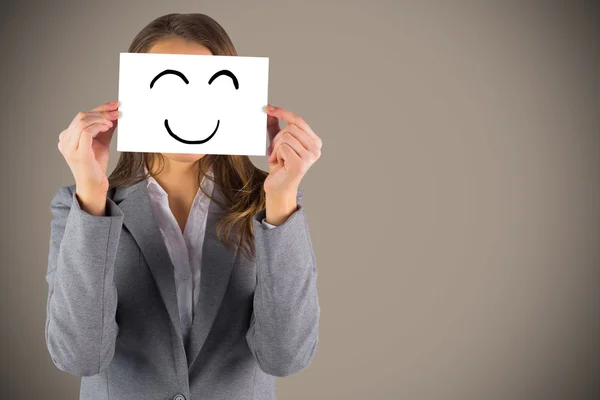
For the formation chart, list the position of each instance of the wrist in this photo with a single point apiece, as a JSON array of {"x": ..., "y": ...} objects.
[
  {"x": 92, "y": 202},
  {"x": 279, "y": 206}
]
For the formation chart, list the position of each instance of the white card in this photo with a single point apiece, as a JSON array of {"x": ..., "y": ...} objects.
[{"x": 183, "y": 103}]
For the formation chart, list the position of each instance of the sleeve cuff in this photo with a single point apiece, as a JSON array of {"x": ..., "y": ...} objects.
[
  {"x": 267, "y": 225},
  {"x": 112, "y": 210},
  {"x": 260, "y": 217},
  {"x": 260, "y": 220}
]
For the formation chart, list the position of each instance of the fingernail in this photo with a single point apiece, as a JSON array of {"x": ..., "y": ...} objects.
[
  {"x": 270, "y": 108},
  {"x": 114, "y": 113}
]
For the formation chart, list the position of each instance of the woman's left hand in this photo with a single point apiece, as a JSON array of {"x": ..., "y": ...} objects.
[{"x": 292, "y": 151}]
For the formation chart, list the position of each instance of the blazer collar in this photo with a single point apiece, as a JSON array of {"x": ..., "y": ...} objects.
[{"x": 217, "y": 263}]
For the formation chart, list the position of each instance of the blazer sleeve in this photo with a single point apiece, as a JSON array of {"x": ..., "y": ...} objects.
[
  {"x": 81, "y": 328},
  {"x": 284, "y": 325}
]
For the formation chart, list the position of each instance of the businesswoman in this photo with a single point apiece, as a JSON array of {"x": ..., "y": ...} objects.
[{"x": 181, "y": 276}]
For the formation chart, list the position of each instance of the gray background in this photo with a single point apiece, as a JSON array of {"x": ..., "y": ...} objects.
[{"x": 455, "y": 210}]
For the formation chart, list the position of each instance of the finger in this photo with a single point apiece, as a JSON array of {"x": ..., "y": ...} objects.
[
  {"x": 307, "y": 141},
  {"x": 290, "y": 118},
  {"x": 273, "y": 140},
  {"x": 88, "y": 134},
  {"x": 286, "y": 138},
  {"x": 105, "y": 137},
  {"x": 303, "y": 137},
  {"x": 90, "y": 119},
  {"x": 273, "y": 128},
  {"x": 287, "y": 156},
  {"x": 272, "y": 125},
  {"x": 85, "y": 119},
  {"x": 111, "y": 105}
]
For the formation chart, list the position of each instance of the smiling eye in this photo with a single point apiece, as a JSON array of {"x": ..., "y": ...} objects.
[
  {"x": 226, "y": 73},
  {"x": 167, "y": 72}
]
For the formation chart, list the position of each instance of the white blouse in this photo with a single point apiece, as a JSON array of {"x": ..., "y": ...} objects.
[{"x": 185, "y": 249}]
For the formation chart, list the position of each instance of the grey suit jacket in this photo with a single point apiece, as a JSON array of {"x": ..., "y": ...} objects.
[{"x": 112, "y": 315}]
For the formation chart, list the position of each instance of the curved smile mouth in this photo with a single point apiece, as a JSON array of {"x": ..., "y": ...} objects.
[{"x": 174, "y": 136}]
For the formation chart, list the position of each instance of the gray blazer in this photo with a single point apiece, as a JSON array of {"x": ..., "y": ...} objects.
[{"x": 112, "y": 315}]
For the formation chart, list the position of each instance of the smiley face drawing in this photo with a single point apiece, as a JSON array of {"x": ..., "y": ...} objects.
[
  {"x": 189, "y": 103},
  {"x": 223, "y": 72}
]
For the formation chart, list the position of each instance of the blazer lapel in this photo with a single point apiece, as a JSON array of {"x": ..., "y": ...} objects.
[
  {"x": 135, "y": 203},
  {"x": 217, "y": 264}
]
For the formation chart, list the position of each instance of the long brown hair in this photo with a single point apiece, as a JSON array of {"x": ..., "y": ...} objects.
[{"x": 240, "y": 182}]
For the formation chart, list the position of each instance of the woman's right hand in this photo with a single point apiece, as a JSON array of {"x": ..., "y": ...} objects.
[{"x": 85, "y": 146}]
